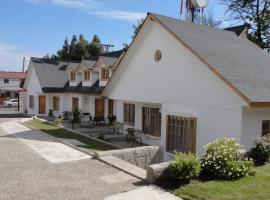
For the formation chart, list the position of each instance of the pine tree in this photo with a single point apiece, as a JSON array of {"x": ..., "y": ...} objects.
[
  {"x": 63, "y": 53},
  {"x": 72, "y": 48},
  {"x": 94, "y": 48}
]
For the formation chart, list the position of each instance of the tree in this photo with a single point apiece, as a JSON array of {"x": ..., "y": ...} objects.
[
  {"x": 63, "y": 53},
  {"x": 209, "y": 20},
  {"x": 72, "y": 48},
  {"x": 256, "y": 13},
  {"x": 94, "y": 48},
  {"x": 137, "y": 27}
]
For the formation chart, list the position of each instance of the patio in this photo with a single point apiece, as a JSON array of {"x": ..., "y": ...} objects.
[{"x": 117, "y": 138}]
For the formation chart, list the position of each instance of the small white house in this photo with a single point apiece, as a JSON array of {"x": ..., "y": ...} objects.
[
  {"x": 185, "y": 85},
  {"x": 66, "y": 86}
]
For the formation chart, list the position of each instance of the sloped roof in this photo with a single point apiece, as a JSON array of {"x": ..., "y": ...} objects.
[
  {"x": 53, "y": 77},
  {"x": 239, "y": 61},
  {"x": 238, "y": 30},
  {"x": 115, "y": 54},
  {"x": 12, "y": 75},
  {"x": 89, "y": 63},
  {"x": 108, "y": 61}
]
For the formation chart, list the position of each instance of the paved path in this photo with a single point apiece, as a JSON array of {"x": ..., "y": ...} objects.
[
  {"x": 45, "y": 145},
  {"x": 26, "y": 174}
]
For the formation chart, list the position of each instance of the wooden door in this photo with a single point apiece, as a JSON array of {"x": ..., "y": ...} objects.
[
  {"x": 75, "y": 104},
  {"x": 42, "y": 104},
  {"x": 99, "y": 108}
]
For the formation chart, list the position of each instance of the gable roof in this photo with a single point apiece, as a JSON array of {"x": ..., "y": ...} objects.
[
  {"x": 53, "y": 77},
  {"x": 241, "y": 64},
  {"x": 238, "y": 60},
  {"x": 12, "y": 75},
  {"x": 238, "y": 30}
]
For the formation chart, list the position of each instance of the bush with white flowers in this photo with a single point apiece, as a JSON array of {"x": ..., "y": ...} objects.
[{"x": 221, "y": 160}]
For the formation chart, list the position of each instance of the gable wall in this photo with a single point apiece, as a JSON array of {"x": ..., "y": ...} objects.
[{"x": 180, "y": 83}]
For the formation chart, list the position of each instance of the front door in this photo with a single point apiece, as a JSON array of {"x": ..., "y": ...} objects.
[
  {"x": 42, "y": 104},
  {"x": 99, "y": 108},
  {"x": 75, "y": 104}
]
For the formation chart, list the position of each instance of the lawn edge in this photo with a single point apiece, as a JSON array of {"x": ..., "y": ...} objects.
[{"x": 59, "y": 140}]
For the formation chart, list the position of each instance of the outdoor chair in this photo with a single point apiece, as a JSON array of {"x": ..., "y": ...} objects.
[
  {"x": 137, "y": 138},
  {"x": 117, "y": 127},
  {"x": 91, "y": 121},
  {"x": 51, "y": 115}
]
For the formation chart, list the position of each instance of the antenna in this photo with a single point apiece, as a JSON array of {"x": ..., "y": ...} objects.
[
  {"x": 23, "y": 64},
  {"x": 193, "y": 6},
  {"x": 106, "y": 47}
]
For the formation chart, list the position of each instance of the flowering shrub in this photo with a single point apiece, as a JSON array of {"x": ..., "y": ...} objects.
[
  {"x": 260, "y": 152},
  {"x": 222, "y": 161},
  {"x": 184, "y": 167}
]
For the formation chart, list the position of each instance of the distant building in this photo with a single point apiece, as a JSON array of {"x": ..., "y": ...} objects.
[{"x": 11, "y": 83}]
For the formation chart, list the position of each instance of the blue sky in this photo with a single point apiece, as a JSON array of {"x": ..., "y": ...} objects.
[{"x": 37, "y": 27}]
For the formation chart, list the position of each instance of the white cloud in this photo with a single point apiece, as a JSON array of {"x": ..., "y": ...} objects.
[
  {"x": 82, "y": 4},
  {"x": 122, "y": 15},
  {"x": 11, "y": 57},
  {"x": 95, "y": 7}
]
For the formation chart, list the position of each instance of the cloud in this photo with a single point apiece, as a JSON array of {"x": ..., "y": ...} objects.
[
  {"x": 95, "y": 7},
  {"x": 11, "y": 57},
  {"x": 122, "y": 15}
]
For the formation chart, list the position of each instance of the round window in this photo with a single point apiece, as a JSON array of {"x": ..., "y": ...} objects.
[{"x": 158, "y": 55}]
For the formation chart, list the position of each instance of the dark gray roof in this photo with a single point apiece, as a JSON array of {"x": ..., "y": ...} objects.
[
  {"x": 53, "y": 77},
  {"x": 115, "y": 54},
  {"x": 239, "y": 61},
  {"x": 109, "y": 61},
  {"x": 237, "y": 29}
]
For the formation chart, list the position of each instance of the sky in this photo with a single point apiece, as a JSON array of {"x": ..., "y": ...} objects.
[{"x": 34, "y": 28}]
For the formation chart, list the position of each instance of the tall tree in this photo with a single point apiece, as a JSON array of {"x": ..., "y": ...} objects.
[
  {"x": 94, "y": 48},
  {"x": 63, "y": 53},
  {"x": 256, "y": 13},
  {"x": 72, "y": 48}
]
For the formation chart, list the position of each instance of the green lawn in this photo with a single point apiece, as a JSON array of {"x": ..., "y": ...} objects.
[
  {"x": 250, "y": 188},
  {"x": 92, "y": 145}
]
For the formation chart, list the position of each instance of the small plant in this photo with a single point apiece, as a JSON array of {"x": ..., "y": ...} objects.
[
  {"x": 101, "y": 137},
  {"x": 222, "y": 160},
  {"x": 59, "y": 120},
  {"x": 184, "y": 167},
  {"x": 76, "y": 119},
  {"x": 260, "y": 152}
]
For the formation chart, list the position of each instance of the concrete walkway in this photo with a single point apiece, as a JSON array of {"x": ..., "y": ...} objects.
[
  {"x": 145, "y": 193},
  {"x": 26, "y": 174},
  {"x": 43, "y": 144}
]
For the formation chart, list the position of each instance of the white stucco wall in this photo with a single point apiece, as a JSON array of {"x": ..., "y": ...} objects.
[
  {"x": 252, "y": 124},
  {"x": 12, "y": 83},
  {"x": 180, "y": 83},
  {"x": 33, "y": 88}
]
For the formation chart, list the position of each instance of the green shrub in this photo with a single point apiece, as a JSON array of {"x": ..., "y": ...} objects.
[
  {"x": 184, "y": 167},
  {"x": 260, "y": 152},
  {"x": 221, "y": 160}
]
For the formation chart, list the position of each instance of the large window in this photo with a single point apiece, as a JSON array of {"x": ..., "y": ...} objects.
[
  {"x": 265, "y": 127},
  {"x": 105, "y": 74},
  {"x": 56, "y": 103},
  {"x": 151, "y": 121},
  {"x": 86, "y": 75},
  {"x": 110, "y": 107},
  {"x": 31, "y": 101},
  {"x": 129, "y": 113},
  {"x": 181, "y": 134},
  {"x": 72, "y": 76}
]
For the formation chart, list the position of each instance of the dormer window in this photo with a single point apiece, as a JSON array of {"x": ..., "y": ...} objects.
[
  {"x": 72, "y": 76},
  {"x": 105, "y": 73},
  {"x": 86, "y": 75}
]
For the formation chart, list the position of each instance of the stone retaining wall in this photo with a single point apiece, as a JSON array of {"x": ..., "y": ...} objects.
[{"x": 141, "y": 157}]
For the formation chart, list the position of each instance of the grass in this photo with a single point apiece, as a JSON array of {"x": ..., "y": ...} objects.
[
  {"x": 91, "y": 145},
  {"x": 249, "y": 188}
]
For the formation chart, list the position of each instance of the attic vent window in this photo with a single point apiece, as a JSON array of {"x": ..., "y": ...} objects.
[{"x": 158, "y": 55}]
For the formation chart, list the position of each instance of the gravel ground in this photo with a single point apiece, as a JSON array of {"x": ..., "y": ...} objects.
[{"x": 25, "y": 175}]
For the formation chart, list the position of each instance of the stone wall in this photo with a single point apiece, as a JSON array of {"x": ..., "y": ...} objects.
[{"x": 141, "y": 157}]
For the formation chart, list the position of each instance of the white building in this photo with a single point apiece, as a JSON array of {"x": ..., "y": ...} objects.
[
  {"x": 66, "y": 86},
  {"x": 10, "y": 83},
  {"x": 184, "y": 85}
]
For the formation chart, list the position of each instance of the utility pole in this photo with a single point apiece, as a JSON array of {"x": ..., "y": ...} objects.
[{"x": 106, "y": 47}]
